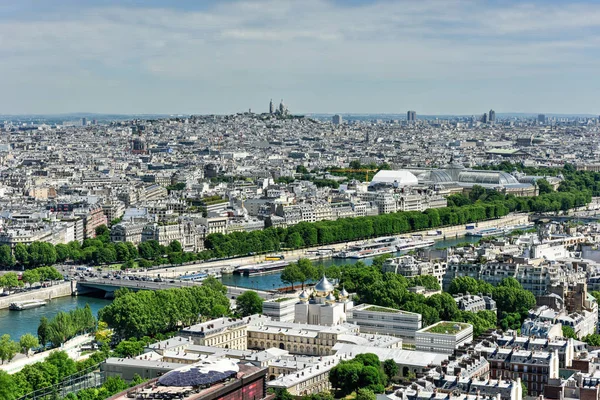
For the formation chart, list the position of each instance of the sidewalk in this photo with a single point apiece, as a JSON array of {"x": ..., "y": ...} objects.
[{"x": 71, "y": 347}]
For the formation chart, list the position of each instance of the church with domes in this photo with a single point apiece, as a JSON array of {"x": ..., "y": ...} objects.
[{"x": 321, "y": 306}]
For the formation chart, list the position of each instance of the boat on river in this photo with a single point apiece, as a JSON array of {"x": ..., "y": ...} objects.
[{"x": 26, "y": 305}]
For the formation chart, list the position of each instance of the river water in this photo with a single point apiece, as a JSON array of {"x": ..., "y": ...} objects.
[
  {"x": 17, "y": 323},
  {"x": 273, "y": 281}
]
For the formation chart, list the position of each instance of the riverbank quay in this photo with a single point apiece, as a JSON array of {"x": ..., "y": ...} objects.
[
  {"x": 293, "y": 255},
  {"x": 71, "y": 347},
  {"x": 48, "y": 293}
]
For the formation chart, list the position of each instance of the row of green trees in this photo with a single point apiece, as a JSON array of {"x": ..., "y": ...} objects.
[
  {"x": 66, "y": 325},
  {"x": 11, "y": 279},
  {"x": 99, "y": 250},
  {"x": 481, "y": 204},
  {"x": 148, "y": 313}
]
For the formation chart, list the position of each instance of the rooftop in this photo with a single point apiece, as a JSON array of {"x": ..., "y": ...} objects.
[{"x": 445, "y": 327}]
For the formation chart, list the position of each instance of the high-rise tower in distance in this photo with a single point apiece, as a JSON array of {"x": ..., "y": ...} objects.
[
  {"x": 411, "y": 116},
  {"x": 271, "y": 107},
  {"x": 492, "y": 116}
]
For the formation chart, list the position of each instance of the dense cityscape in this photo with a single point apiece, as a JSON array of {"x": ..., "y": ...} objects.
[
  {"x": 280, "y": 255},
  {"x": 299, "y": 200}
]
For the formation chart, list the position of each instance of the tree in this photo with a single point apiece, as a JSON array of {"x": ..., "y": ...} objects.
[
  {"x": 28, "y": 342},
  {"x": 41, "y": 253},
  {"x": 7, "y": 260},
  {"x": 319, "y": 396},
  {"x": 568, "y": 332},
  {"x": 372, "y": 378},
  {"x": 8, "y": 348},
  {"x": 476, "y": 193},
  {"x": 129, "y": 348},
  {"x": 175, "y": 247},
  {"x": 102, "y": 230},
  {"x": 592, "y": 340},
  {"x": 301, "y": 169},
  {"x": 249, "y": 303},
  {"x": 544, "y": 187},
  {"x": 61, "y": 329},
  {"x": 390, "y": 368},
  {"x": 129, "y": 264},
  {"x": 65, "y": 365},
  {"x": 137, "y": 380},
  {"x": 292, "y": 274},
  {"x": 31, "y": 276},
  {"x": 122, "y": 252},
  {"x": 294, "y": 241},
  {"x": 283, "y": 394},
  {"x": 8, "y": 387},
  {"x": 21, "y": 254},
  {"x": 524, "y": 389},
  {"x": 368, "y": 359},
  {"x": 464, "y": 284},
  {"x": 365, "y": 394},
  {"x": 43, "y": 332},
  {"x": 103, "y": 334},
  {"x": 345, "y": 376},
  {"x": 63, "y": 252},
  {"x": 11, "y": 280},
  {"x": 308, "y": 270}
]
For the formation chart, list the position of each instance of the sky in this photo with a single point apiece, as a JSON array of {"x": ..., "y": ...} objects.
[{"x": 320, "y": 56}]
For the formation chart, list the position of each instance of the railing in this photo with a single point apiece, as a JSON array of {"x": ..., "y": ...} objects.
[{"x": 88, "y": 378}]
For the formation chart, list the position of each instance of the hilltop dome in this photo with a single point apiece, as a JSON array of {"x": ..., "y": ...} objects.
[{"x": 324, "y": 286}]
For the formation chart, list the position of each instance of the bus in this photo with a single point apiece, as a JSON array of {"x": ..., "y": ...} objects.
[{"x": 277, "y": 257}]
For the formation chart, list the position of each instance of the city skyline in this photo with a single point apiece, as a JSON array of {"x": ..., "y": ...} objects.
[{"x": 328, "y": 57}]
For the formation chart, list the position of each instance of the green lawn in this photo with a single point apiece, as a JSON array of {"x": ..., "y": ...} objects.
[
  {"x": 447, "y": 328},
  {"x": 381, "y": 309},
  {"x": 283, "y": 299}
]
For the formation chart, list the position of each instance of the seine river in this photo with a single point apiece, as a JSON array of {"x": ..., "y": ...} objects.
[{"x": 17, "y": 323}]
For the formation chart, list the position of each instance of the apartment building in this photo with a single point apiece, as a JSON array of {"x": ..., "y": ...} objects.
[
  {"x": 534, "y": 368},
  {"x": 409, "y": 267},
  {"x": 127, "y": 232},
  {"x": 474, "y": 303}
]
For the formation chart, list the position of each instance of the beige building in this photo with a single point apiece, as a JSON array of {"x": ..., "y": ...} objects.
[
  {"x": 228, "y": 333},
  {"x": 264, "y": 333}
]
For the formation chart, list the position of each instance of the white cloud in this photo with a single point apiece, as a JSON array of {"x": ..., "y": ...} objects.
[{"x": 293, "y": 45}]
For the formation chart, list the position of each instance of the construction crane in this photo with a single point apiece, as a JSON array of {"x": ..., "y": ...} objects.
[{"x": 365, "y": 170}]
